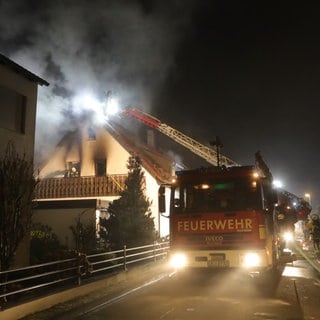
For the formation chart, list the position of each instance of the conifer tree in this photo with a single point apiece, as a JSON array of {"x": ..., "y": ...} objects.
[{"x": 130, "y": 222}]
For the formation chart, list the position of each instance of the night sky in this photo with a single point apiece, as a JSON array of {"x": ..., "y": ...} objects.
[{"x": 246, "y": 71}]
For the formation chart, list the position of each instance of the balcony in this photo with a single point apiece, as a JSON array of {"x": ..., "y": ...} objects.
[{"x": 79, "y": 187}]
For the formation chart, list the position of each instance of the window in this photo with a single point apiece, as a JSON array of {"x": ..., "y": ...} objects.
[
  {"x": 73, "y": 169},
  {"x": 13, "y": 110},
  {"x": 217, "y": 196},
  {"x": 100, "y": 166}
]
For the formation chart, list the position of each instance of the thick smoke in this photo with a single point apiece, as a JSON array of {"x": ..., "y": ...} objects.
[{"x": 91, "y": 46}]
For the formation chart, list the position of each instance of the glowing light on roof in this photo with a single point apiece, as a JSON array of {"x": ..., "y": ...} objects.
[
  {"x": 112, "y": 106},
  {"x": 255, "y": 175},
  {"x": 87, "y": 102},
  {"x": 277, "y": 184}
]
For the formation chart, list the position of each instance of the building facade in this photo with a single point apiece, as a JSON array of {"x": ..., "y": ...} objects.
[
  {"x": 18, "y": 105},
  {"x": 87, "y": 171}
]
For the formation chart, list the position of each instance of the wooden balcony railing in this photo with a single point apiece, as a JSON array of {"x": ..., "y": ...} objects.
[{"x": 75, "y": 187}]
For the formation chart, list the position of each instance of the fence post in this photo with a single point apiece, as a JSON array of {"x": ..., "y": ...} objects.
[
  {"x": 154, "y": 252},
  {"x": 79, "y": 268},
  {"x": 125, "y": 257}
]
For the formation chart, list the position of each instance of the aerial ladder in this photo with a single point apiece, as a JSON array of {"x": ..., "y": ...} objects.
[
  {"x": 212, "y": 156},
  {"x": 292, "y": 204}
]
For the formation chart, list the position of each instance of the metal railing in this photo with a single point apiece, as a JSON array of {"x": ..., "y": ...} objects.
[{"x": 17, "y": 284}]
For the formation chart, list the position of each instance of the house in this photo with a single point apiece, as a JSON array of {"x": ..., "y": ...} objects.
[
  {"x": 18, "y": 104},
  {"x": 87, "y": 171}
]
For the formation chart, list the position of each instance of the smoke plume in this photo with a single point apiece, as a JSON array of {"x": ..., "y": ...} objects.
[{"x": 91, "y": 46}]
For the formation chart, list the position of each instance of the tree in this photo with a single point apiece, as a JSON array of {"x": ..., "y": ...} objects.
[
  {"x": 130, "y": 222},
  {"x": 84, "y": 236},
  {"x": 17, "y": 185}
]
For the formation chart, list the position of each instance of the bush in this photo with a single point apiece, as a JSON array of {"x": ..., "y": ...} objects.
[{"x": 44, "y": 245}]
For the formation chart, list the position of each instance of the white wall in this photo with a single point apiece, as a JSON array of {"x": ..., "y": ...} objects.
[
  {"x": 105, "y": 146},
  {"x": 152, "y": 188},
  {"x": 60, "y": 221}
]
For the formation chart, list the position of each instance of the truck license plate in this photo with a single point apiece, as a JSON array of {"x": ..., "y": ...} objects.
[{"x": 218, "y": 263}]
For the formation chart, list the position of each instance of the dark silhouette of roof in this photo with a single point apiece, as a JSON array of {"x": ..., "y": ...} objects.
[{"x": 18, "y": 69}]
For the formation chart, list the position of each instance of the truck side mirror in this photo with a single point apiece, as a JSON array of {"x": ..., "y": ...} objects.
[{"x": 162, "y": 199}]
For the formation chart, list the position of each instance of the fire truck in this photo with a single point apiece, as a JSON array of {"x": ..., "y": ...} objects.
[
  {"x": 223, "y": 217},
  {"x": 226, "y": 215}
]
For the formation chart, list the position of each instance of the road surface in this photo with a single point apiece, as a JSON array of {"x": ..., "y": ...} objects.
[
  {"x": 215, "y": 295},
  {"x": 293, "y": 295}
]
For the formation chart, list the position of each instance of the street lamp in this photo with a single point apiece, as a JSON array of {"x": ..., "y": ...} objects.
[{"x": 308, "y": 196}]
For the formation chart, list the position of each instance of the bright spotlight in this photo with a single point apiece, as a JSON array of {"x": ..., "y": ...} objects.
[
  {"x": 277, "y": 184},
  {"x": 178, "y": 261},
  {"x": 308, "y": 196},
  {"x": 251, "y": 260},
  {"x": 288, "y": 236},
  {"x": 87, "y": 102},
  {"x": 112, "y": 106}
]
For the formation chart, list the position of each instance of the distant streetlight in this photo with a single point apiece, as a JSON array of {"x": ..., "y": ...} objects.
[
  {"x": 308, "y": 196},
  {"x": 277, "y": 184}
]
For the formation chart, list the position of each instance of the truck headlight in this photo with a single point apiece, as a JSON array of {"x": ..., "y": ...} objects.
[
  {"x": 288, "y": 236},
  {"x": 251, "y": 260},
  {"x": 178, "y": 261}
]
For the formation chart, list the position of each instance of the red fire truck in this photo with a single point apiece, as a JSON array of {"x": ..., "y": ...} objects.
[
  {"x": 226, "y": 215},
  {"x": 223, "y": 217}
]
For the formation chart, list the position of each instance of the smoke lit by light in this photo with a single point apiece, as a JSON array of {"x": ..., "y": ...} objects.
[
  {"x": 119, "y": 46},
  {"x": 112, "y": 106},
  {"x": 87, "y": 102},
  {"x": 277, "y": 184}
]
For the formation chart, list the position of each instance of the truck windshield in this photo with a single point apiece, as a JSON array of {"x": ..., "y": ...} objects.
[{"x": 217, "y": 196}]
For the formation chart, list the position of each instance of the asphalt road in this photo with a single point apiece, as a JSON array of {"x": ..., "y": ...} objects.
[
  {"x": 294, "y": 294},
  {"x": 218, "y": 295},
  {"x": 223, "y": 295}
]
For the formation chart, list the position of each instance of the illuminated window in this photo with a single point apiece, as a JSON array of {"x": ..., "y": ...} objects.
[
  {"x": 13, "y": 110},
  {"x": 73, "y": 169},
  {"x": 217, "y": 196}
]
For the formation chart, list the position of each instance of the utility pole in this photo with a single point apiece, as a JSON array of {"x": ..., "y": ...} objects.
[{"x": 217, "y": 143}]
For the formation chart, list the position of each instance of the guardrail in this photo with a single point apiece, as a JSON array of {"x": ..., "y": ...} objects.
[{"x": 17, "y": 284}]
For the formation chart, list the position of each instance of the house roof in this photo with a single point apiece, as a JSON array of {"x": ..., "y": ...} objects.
[
  {"x": 18, "y": 69},
  {"x": 157, "y": 163}
]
